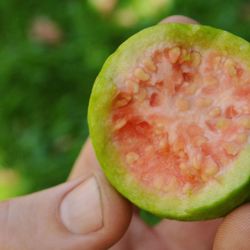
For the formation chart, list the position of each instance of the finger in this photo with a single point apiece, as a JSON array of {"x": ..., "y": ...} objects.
[
  {"x": 188, "y": 235},
  {"x": 234, "y": 232},
  {"x": 139, "y": 236},
  {"x": 71, "y": 216},
  {"x": 84, "y": 213},
  {"x": 117, "y": 210},
  {"x": 179, "y": 19}
]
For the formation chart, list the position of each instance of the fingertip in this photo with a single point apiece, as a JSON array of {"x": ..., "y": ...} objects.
[
  {"x": 179, "y": 19},
  {"x": 117, "y": 211},
  {"x": 234, "y": 232}
]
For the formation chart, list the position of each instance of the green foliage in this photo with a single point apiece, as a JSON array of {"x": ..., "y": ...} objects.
[{"x": 44, "y": 88}]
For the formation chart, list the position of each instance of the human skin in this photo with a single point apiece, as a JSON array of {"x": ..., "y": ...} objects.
[{"x": 87, "y": 213}]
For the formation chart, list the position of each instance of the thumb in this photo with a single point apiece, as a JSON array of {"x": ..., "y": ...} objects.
[{"x": 85, "y": 213}]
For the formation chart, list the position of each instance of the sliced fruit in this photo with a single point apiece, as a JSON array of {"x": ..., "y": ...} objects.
[{"x": 169, "y": 119}]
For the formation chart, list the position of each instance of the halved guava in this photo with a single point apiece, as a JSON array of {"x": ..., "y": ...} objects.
[{"x": 169, "y": 118}]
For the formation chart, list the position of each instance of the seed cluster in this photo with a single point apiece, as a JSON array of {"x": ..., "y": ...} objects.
[{"x": 181, "y": 118}]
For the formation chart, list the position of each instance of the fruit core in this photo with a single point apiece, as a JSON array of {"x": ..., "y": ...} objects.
[{"x": 181, "y": 116}]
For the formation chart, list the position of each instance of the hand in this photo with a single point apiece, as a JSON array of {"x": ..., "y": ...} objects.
[{"x": 87, "y": 213}]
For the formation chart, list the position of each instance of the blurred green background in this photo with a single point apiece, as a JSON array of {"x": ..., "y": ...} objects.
[{"x": 51, "y": 52}]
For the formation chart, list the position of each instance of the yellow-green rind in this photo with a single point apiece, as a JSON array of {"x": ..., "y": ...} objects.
[{"x": 220, "y": 196}]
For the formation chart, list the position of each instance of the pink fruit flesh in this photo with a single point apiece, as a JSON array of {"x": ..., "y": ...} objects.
[{"x": 181, "y": 117}]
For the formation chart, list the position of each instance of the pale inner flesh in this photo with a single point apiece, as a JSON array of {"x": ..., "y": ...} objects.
[{"x": 181, "y": 117}]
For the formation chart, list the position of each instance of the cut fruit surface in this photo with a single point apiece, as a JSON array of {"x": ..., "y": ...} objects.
[{"x": 169, "y": 118}]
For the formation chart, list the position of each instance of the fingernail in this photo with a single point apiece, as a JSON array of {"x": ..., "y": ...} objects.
[{"x": 81, "y": 209}]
